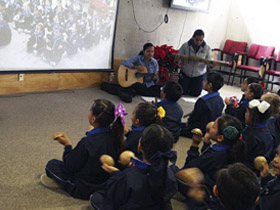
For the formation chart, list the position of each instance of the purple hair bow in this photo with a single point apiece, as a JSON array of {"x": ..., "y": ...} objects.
[{"x": 120, "y": 112}]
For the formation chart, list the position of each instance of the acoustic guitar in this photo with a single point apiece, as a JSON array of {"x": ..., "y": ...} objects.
[
  {"x": 128, "y": 76},
  {"x": 203, "y": 60}
]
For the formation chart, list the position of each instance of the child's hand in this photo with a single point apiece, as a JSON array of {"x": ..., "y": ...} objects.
[
  {"x": 265, "y": 171},
  {"x": 108, "y": 168},
  {"x": 197, "y": 193},
  {"x": 196, "y": 140},
  {"x": 207, "y": 138},
  {"x": 227, "y": 101},
  {"x": 62, "y": 139},
  {"x": 125, "y": 129}
]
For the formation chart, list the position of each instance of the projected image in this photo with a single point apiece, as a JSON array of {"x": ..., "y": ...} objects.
[
  {"x": 198, "y": 5},
  {"x": 56, "y": 34}
]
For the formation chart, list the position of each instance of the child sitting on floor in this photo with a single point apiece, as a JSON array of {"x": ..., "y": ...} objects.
[
  {"x": 143, "y": 115},
  {"x": 229, "y": 148},
  {"x": 252, "y": 91},
  {"x": 170, "y": 94},
  {"x": 273, "y": 123},
  {"x": 208, "y": 107},
  {"x": 256, "y": 135},
  {"x": 80, "y": 172},
  {"x": 149, "y": 184}
]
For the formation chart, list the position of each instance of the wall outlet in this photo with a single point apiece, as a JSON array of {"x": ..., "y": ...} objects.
[{"x": 20, "y": 77}]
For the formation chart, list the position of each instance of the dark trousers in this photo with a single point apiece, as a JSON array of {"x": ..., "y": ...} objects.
[
  {"x": 76, "y": 187},
  {"x": 126, "y": 94},
  {"x": 191, "y": 85}
]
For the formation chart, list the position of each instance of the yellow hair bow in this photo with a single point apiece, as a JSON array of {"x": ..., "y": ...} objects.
[{"x": 161, "y": 112}]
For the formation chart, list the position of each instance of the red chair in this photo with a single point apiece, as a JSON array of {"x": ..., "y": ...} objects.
[
  {"x": 272, "y": 72},
  {"x": 226, "y": 54},
  {"x": 255, "y": 53}
]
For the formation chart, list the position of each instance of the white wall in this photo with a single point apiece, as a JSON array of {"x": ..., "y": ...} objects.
[
  {"x": 150, "y": 13},
  {"x": 255, "y": 21}
]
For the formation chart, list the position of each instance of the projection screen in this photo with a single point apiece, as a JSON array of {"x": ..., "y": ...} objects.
[{"x": 56, "y": 35}]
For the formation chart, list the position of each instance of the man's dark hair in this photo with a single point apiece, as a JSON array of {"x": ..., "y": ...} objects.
[{"x": 198, "y": 32}]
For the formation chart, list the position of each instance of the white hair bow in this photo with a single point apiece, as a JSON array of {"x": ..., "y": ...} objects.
[{"x": 262, "y": 106}]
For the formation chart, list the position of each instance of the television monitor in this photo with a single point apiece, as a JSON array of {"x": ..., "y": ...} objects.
[
  {"x": 57, "y": 35},
  {"x": 195, "y": 5}
]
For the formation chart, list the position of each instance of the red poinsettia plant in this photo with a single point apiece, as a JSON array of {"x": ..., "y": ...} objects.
[{"x": 166, "y": 60}]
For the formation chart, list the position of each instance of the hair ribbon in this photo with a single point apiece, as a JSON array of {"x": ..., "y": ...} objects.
[
  {"x": 120, "y": 112},
  {"x": 161, "y": 112},
  {"x": 262, "y": 106}
]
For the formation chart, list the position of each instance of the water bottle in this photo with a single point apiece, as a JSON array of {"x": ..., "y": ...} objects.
[{"x": 111, "y": 77}]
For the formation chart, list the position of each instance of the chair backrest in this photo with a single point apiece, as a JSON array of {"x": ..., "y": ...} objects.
[
  {"x": 278, "y": 57},
  {"x": 232, "y": 47},
  {"x": 264, "y": 51},
  {"x": 253, "y": 50}
]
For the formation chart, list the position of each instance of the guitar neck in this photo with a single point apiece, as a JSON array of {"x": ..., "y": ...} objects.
[{"x": 206, "y": 61}]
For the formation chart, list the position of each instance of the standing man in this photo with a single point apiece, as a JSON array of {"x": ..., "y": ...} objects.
[{"x": 193, "y": 72}]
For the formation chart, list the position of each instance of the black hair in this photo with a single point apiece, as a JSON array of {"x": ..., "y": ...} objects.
[
  {"x": 231, "y": 128},
  {"x": 146, "y": 46},
  {"x": 173, "y": 91},
  {"x": 104, "y": 111},
  {"x": 156, "y": 138},
  {"x": 251, "y": 80},
  {"x": 238, "y": 187},
  {"x": 216, "y": 79},
  {"x": 198, "y": 32},
  {"x": 147, "y": 114},
  {"x": 274, "y": 100},
  {"x": 256, "y": 89}
]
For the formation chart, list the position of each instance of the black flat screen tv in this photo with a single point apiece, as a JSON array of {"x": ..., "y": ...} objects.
[
  {"x": 57, "y": 35},
  {"x": 194, "y": 5}
]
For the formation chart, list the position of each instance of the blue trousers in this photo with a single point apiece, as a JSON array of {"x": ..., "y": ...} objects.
[{"x": 192, "y": 85}]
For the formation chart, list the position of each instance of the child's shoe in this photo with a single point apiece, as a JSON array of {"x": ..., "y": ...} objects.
[{"x": 48, "y": 182}]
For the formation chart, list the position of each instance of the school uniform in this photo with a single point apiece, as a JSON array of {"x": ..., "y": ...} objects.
[
  {"x": 262, "y": 144},
  {"x": 80, "y": 172},
  {"x": 131, "y": 188},
  {"x": 206, "y": 109},
  {"x": 132, "y": 140},
  {"x": 173, "y": 116},
  {"x": 238, "y": 112},
  {"x": 274, "y": 131},
  {"x": 269, "y": 197},
  {"x": 212, "y": 159}
]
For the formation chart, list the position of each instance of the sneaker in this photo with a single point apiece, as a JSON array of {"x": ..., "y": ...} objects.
[{"x": 48, "y": 182}]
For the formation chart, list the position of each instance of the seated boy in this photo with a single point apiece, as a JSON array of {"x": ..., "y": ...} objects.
[
  {"x": 207, "y": 108},
  {"x": 170, "y": 94}
]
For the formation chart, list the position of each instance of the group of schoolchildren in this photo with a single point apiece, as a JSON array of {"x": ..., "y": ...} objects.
[
  {"x": 226, "y": 159},
  {"x": 56, "y": 27}
]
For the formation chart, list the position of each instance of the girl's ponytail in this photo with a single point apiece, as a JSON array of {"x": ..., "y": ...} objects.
[{"x": 231, "y": 128}]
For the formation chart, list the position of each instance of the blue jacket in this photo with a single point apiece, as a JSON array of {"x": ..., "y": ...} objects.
[
  {"x": 173, "y": 116},
  {"x": 206, "y": 109},
  {"x": 261, "y": 143},
  {"x": 269, "y": 197}
]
